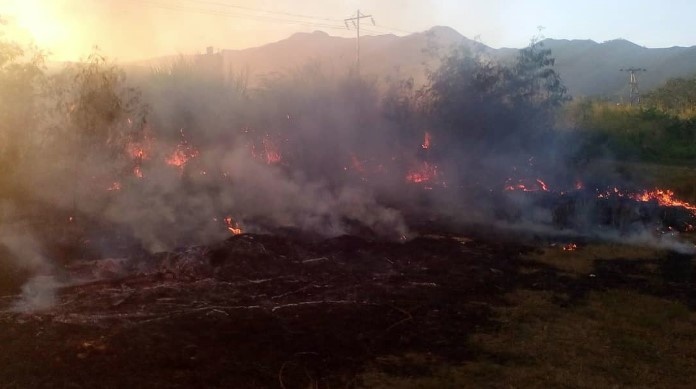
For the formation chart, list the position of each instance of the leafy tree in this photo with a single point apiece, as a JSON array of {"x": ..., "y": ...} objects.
[
  {"x": 496, "y": 107},
  {"x": 102, "y": 113},
  {"x": 678, "y": 95},
  {"x": 21, "y": 78}
]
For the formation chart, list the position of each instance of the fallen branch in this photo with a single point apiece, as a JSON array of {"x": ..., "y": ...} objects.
[
  {"x": 299, "y": 290},
  {"x": 336, "y": 302}
]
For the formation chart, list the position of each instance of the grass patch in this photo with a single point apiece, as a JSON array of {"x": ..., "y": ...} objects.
[
  {"x": 618, "y": 339},
  {"x": 681, "y": 178},
  {"x": 581, "y": 260}
]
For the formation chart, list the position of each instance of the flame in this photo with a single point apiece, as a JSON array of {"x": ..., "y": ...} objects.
[
  {"x": 663, "y": 197},
  {"x": 357, "y": 164},
  {"x": 271, "y": 150},
  {"x": 232, "y": 226},
  {"x": 426, "y": 172},
  {"x": 181, "y": 154},
  {"x": 139, "y": 151},
  {"x": 426, "y": 140},
  {"x": 115, "y": 186},
  {"x": 570, "y": 247},
  {"x": 536, "y": 186}
]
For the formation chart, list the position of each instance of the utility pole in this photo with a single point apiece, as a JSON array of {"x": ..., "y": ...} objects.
[
  {"x": 356, "y": 23},
  {"x": 634, "y": 95}
]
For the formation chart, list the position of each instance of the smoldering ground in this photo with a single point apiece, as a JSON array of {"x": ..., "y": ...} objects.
[{"x": 188, "y": 154}]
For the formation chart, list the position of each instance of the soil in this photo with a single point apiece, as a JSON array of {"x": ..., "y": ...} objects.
[{"x": 265, "y": 311}]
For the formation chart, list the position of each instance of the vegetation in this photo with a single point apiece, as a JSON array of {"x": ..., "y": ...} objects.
[
  {"x": 64, "y": 143},
  {"x": 540, "y": 338},
  {"x": 661, "y": 129}
]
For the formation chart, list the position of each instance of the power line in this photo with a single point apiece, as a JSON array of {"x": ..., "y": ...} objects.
[
  {"x": 207, "y": 11},
  {"x": 227, "y": 5},
  {"x": 379, "y": 26}
]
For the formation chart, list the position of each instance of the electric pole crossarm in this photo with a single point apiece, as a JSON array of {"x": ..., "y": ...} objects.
[{"x": 356, "y": 23}]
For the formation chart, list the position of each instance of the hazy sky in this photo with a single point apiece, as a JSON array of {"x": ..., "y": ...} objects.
[{"x": 131, "y": 29}]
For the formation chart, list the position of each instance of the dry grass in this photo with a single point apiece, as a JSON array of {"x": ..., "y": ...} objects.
[
  {"x": 581, "y": 260},
  {"x": 618, "y": 339}
]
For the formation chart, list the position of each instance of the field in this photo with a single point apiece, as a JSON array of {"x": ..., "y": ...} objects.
[
  {"x": 466, "y": 309},
  {"x": 177, "y": 228}
]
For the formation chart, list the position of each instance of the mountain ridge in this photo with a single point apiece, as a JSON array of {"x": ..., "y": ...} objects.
[{"x": 587, "y": 67}]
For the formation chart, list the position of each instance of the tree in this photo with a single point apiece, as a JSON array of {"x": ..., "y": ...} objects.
[
  {"x": 21, "y": 78},
  {"x": 496, "y": 107},
  {"x": 102, "y": 113}
]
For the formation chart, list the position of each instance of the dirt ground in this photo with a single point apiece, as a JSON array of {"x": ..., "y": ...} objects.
[{"x": 286, "y": 311}]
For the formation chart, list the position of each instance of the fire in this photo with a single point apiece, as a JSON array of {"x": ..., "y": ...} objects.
[
  {"x": 570, "y": 247},
  {"x": 139, "y": 151},
  {"x": 232, "y": 226},
  {"x": 663, "y": 197},
  {"x": 427, "y": 172},
  {"x": 426, "y": 141},
  {"x": 271, "y": 150},
  {"x": 536, "y": 186},
  {"x": 114, "y": 186},
  {"x": 357, "y": 164},
  {"x": 181, "y": 154}
]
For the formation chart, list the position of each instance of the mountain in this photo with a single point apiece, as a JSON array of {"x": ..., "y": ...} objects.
[{"x": 588, "y": 68}]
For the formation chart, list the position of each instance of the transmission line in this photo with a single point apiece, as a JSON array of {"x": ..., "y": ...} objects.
[
  {"x": 227, "y": 5},
  {"x": 205, "y": 11}
]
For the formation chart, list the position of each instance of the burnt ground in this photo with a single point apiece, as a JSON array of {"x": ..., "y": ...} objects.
[{"x": 258, "y": 311}]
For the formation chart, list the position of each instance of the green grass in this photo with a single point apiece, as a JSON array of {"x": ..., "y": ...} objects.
[
  {"x": 580, "y": 262},
  {"x": 612, "y": 339},
  {"x": 617, "y": 339}
]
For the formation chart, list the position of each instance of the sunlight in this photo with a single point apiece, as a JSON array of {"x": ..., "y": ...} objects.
[{"x": 36, "y": 21}]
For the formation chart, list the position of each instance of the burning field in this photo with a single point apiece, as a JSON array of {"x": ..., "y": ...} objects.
[
  {"x": 327, "y": 231},
  {"x": 291, "y": 311}
]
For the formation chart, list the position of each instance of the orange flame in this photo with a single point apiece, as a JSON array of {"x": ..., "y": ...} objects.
[
  {"x": 426, "y": 140},
  {"x": 357, "y": 164},
  {"x": 663, "y": 197},
  {"x": 570, "y": 247},
  {"x": 181, "y": 154},
  {"x": 427, "y": 172},
  {"x": 114, "y": 186},
  {"x": 232, "y": 226},
  {"x": 139, "y": 151},
  {"x": 272, "y": 151},
  {"x": 536, "y": 186}
]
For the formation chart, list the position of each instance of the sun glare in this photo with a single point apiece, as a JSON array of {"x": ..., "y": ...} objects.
[{"x": 38, "y": 21}]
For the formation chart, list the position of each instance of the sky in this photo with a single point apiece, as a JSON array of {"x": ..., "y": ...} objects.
[{"x": 128, "y": 30}]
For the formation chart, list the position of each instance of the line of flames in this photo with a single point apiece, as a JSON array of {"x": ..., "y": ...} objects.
[{"x": 663, "y": 197}]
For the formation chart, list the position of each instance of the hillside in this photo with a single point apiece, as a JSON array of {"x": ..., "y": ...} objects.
[
  {"x": 591, "y": 68},
  {"x": 587, "y": 67}
]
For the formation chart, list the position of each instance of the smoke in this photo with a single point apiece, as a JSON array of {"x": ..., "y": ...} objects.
[
  {"x": 27, "y": 257},
  {"x": 311, "y": 150},
  {"x": 38, "y": 294}
]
